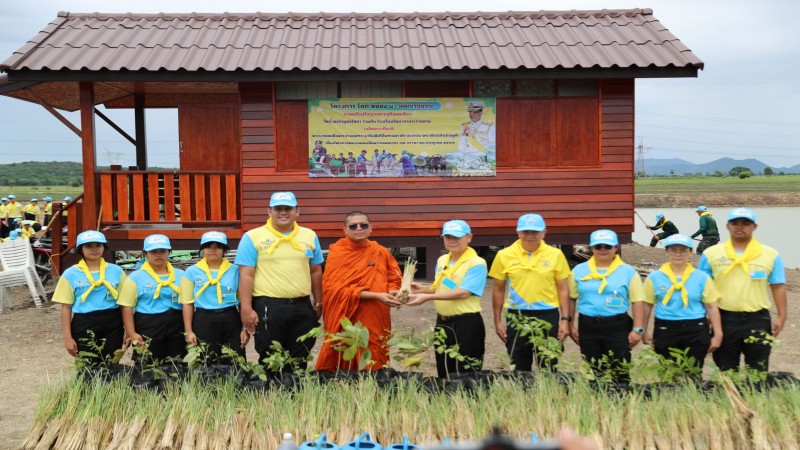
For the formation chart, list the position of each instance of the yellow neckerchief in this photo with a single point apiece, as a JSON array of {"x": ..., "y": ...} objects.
[
  {"x": 223, "y": 267},
  {"x": 752, "y": 252},
  {"x": 530, "y": 261},
  {"x": 616, "y": 263},
  {"x": 170, "y": 281},
  {"x": 283, "y": 238},
  {"x": 450, "y": 269},
  {"x": 100, "y": 281},
  {"x": 27, "y": 232},
  {"x": 666, "y": 269},
  {"x": 705, "y": 214}
]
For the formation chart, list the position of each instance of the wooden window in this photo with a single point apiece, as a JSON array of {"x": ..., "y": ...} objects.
[
  {"x": 491, "y": 88},
  {"x": 303, "y": 90},
  {"x": 433, "y": 89},
  {"x": 535, "y": 88},
  {"x": 548, "y": 132},
  {"x": 291, "y": 135}
]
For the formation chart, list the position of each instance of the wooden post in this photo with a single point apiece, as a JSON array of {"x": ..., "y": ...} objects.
[
  {"x": 89, "y": 154},
  {"x": 141, "y": 141}
]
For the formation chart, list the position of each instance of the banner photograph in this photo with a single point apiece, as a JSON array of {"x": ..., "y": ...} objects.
[{"x": 401, "y": 137}]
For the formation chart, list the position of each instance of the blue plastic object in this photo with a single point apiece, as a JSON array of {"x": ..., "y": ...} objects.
[
  {"x": 320, "y": 443},
  {"x": 362, "y": 442},
  {"x": 404, "y": 445}
]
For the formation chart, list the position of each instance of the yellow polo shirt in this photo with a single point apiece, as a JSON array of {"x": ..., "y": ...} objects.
[
  {"x": 13, "y": 210},
  {"x": 471, "y": 304},
  {"x": 743, "y": 291},
  {"x": 530, "y": 277},
  {"x": 285, "y": 272}
]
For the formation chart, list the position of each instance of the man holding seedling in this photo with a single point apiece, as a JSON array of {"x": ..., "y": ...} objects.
[
  {"x": 708, "y": 229},
  {"x": 359, "y": 274},
  {"x": 745, "y": 272},
  {"x": 279, "y": 269},
  {"x": 531, "y": 280}
]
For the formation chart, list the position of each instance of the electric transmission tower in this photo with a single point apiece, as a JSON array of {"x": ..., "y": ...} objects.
[{"x": 639, "y": 170}]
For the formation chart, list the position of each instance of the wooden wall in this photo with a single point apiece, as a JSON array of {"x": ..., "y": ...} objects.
[{"x": 573, "y": 201}]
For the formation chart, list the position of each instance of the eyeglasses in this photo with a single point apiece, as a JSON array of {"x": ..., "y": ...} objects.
[
  {"x": 354, "y": 226},
  {"x": 678, "y": 249},
  {"x": 602, "y": 247}
]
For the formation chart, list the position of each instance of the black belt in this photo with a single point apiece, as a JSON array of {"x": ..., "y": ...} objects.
[
  {"x": 601, "y": 319},
  {"x": 456, "y": 316},
  {"x": 684, "y": 322},
  {"x": 169, "y": 311},
  {"x": 217, "y": 311},
  {"x": 759, "y": 313},
  {"x": 284, "y": 301},
  {"x": 100, "y": 312}
]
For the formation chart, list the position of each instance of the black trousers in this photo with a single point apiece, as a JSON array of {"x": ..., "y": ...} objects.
[
  {"x": 604, "y": 344},
  {"x": 682, "y": 334},
  {"x": 737, "y": 329},
  {"x": 4, "y": 229},
  {"x": 165, "y": 331},
  {"x": 107, "y": 328},
  {"x": 29, "y": 216},
  {"x": 283, "y": 321},
  {"x": 520, "y": 348},
  {"x": 468, "y": 332},
  {"x": 706, "y": 242},
  {"x": 218, "y": 328}
]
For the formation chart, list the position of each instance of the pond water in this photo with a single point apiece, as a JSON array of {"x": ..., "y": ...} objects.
[{"x": 774, "y": 227}]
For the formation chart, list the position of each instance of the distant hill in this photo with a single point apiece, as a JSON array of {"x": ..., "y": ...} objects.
[
  {"x": 46, "y": 173},
  {"x": 724, "y": 165},
  {"x": 37, "y": 173}
]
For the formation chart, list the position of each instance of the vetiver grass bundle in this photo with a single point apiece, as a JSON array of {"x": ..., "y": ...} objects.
[{"x": 192, "y": 414}]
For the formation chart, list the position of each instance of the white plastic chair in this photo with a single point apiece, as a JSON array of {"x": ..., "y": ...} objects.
[{"x": 16, "y": 260}]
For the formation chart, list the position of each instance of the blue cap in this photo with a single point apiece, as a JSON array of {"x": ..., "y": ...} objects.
[
  {"x": 607, "y": 237},
  {"x": 283, "y": 199},
  {"x": 457, "y": 228},
  {"x": 90, "y": 236},
  {"x": 14, "y": 234},
  {"x": 659, "y": 216},
  {"x": 214, "y": 236},
  {"x": 678, "y": 239},
  {"x": 34, "y": 200},
  {"x": 4, "y": 199},
  {"x": 156, "y": 242},
  {"x": 12, "y": 196},
  {"x": 67, "y": 199},
  {"x": 701, "y": 208},
  {"x": 742, "y": 213},
  {"x": 28, "y": 222},
  {"x": 530, "y": 222},
  {"x": 17, "y": 219},
  {"x": 48, "y": 199},
  {"x": 404, "y": 151}
]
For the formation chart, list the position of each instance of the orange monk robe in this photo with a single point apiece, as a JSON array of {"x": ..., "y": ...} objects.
[{"x": 349, "y": 270}]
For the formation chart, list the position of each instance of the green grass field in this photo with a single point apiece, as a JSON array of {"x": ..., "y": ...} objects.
[
  {"x": 691, "y": 185},
  {"x": 25, "y": 193}
]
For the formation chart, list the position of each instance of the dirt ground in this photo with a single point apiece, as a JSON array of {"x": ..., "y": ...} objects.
[
  {"x": 726, "y": 199},
  {"x": 32, "y": 351}
]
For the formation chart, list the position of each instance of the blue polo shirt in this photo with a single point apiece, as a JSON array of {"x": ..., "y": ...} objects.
[
  {"x": 623, "y": 287},
  {"x": 699, "y": 287}
]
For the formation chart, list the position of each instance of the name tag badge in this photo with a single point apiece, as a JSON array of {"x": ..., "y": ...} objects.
[
  {"x": 109, "y": 297},
  {"x": 174, "y": 298},
  {"x": 449, "y": 284},
  {"x": 758, "y": 275},
  {"x": 228, "y": 298},
  {"x": 615, "y": 301}
]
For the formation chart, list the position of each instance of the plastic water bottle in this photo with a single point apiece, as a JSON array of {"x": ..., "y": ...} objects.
[{"x": 287, "y": 443}]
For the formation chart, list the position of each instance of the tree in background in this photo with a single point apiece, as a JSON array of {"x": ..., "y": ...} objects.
[
  {"x": 745, "y": 174},
  {"x": 768, "y": 171},
  {"x": 739, "y": 169}
]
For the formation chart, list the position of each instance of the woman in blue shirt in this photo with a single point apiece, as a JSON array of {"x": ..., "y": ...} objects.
[
  {"x": 683, "y": 298},
  {"x": 210, "y": 302},
  {"x": 605, "y": 289},
  {"x": 149, "y": 301},
  {"x": 88, "y": 294}
]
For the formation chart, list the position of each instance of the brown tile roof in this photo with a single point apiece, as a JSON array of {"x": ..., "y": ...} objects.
[{"x": 385, "y": 41}]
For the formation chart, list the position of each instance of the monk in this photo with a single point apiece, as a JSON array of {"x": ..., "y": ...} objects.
[{"x": 359, "y": 274}]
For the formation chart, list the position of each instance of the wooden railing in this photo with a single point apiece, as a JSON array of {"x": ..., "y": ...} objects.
[
  {"x": 198, "y": 197},
  {"x": 69, "y": 214}
]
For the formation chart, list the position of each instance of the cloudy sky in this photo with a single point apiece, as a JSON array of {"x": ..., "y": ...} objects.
[{"x": 746, "y": 103}]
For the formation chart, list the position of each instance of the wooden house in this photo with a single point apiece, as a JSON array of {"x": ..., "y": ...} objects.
[{"x": 564, "y": 84}]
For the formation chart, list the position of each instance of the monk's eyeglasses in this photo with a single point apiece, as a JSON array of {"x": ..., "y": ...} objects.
[{"x": 354, "y": 226}]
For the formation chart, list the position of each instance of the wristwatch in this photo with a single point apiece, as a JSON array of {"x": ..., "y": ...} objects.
[
  {"x": 567, "y": 318},
  {"x": 638, "y": 330}
]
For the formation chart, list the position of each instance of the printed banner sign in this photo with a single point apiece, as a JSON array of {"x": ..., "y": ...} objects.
[{"x": 401, "y": 137}]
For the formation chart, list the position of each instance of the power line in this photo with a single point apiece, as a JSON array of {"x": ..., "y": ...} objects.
[
  {"x": 718, "y": 119},
  {"x": 759, "y": 146},
  {"x": 704, "y": 130}
]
